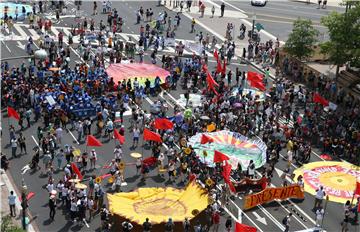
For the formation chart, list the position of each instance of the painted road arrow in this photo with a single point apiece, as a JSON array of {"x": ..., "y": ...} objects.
[{"x": 260, "y": 219}]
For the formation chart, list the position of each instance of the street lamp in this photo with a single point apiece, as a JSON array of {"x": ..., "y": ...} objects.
[{"x": 253, "y": 25}]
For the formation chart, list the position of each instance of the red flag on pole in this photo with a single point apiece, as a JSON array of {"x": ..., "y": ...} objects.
[
  {"x": 119, "y": 137},
  {"x": 163, "y": 124},
  {"x": 149, "y": 135},
  {"x": 226, "y": 171},
  {"x": 219, "y": 157},
  {"x": 244, "y": 228},
  {"x": 319, "y": 99},
  {"x": 12, "y": 113},
  {"x": 92, "y": 141},
  {"x": 257, "y": 84},
  {"x": 210, "y": 80},
  {"x": 218, "y": 67},
  {"x": 205, "y": 68},
  {"x": 76, "y": 171},
  {"x": 253, "y": 76},
  {"x": 231, "y": 186},
  {"x": 224, "y": 68},
  {"x": 357, "y": 189},
  {"x": 216, "y": 55},
  {"x": 206, "y": 139}
]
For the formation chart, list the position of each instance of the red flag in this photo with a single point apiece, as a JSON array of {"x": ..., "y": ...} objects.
[
  {"x": 257, "y": 84},
  {"x": 210, "y": 80},
  {"x": 231, "y": 186},
  {"x": 224, "y": 68},
  {"x": 163, "y": 124},
  {"x": 12, "y": 113},
  {"x": 253, "y": 76},
  {"x": 319, "y": 99},
  {"x": 244, "y": 228},
  {"x": 119, "y": 137},
  {"x": 206, "y": 139},
  {"x": 299, "y": 119},
  {"x": 219, "y": 157},
  {"x": 105, "y": 176},
  {"x": 218, "y": 67},
  {"x": 92, "y": 141},
  {"x": 149, "y": 135},
  {"x": 28, "y": 197},
  {"x": 205, "y": 68},
  {"x": 357, "y": 189},
  {"x": 226, "y": 171},
  {"x": 76, "y": 171},
  {"x": 216, "y": 55}
]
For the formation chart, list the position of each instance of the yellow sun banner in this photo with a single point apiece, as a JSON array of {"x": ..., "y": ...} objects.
[
  {"x": 337, "y": 178},
  {"x": 159, "y": 204}
]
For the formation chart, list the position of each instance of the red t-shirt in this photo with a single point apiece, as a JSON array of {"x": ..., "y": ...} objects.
[{"x": 216, "y": 218}]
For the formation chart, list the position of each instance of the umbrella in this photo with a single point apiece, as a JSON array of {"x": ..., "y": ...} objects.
[
  {"x": 53, "y": 192},
  {"x": 204, "y": 117},
  {"x": 80, "y": 186},
  {"x": 54, "y": 69},
  {"x": 325, "y": 157},
  {"x": 237, "y": 105},
  {"x": 136, "y": 155}
]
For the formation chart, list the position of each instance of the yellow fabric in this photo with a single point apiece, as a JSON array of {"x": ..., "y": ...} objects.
[
  {"x": 159, "y": 204},
  {"x": 337, "y": 178},
  {"x": 211, "y": 127}
]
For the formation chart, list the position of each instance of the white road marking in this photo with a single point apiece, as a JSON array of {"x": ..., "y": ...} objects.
[
  {"x": 7, "y": 47},
  {"x": 20, "y": 45},
  {"x": 37, "y": 144},
  {"x": 72, "y": 135},
  {"x": 20, "y": 30},
  {"x": 260, "y": 219}
]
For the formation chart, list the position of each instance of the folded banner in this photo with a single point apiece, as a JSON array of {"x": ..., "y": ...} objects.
[{"x": 270, "y": 194}]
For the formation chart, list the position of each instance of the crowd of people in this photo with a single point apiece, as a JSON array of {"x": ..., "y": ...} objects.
[{"x": 28, "y": 86}]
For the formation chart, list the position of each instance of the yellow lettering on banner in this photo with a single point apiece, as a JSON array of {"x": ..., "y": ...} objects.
[{"x": 271, "y": 194}]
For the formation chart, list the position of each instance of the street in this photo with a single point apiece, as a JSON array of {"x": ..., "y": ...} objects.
[{"x": 276, "y": 18}]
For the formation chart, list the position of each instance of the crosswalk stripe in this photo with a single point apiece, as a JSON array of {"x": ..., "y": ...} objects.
[
  {"x": 34, "y": 34},
  {"x": 55, "y": 32},
  {"x": 19, "y": 31}
]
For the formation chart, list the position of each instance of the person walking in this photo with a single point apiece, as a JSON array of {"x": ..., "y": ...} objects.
[
  {"x": 147, "y": 225},
  {"x": 286, "y": 222},
  {"x": 222, "y": 9},
  {"x": 22, "y": 143},
  {"x": 14, "y": 145},
  {"x": 193, "y": 22},
  {"x": 228, "y": 224},
  {"x": 187, "y": 225},
  {"x": 215, "y": 217},
  {"x": 320, "y": 194},
  {"x": 169, "y": 225},
  {"x": 319, "y": 216},
  {"x": 212, "y": 11},
  {"x": 52, "y": 206},
  {"x": 12, "y": 202},
  {"x": 251, "y": 169}
]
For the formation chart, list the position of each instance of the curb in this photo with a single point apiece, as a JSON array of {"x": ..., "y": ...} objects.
[{"x": 10, "y": 186}]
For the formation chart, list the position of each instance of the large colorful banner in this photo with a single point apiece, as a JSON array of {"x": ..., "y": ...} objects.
[
  {"x": 270, "y": 194},
  {"x": 142, "y": 71},
  {"x": 337, "y": 178},
  {"x": 239, "y": 148},
  {"x": 159, "y": 203}
]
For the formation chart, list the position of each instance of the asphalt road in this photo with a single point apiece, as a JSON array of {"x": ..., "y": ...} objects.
[{"x": 266, "y": 218}]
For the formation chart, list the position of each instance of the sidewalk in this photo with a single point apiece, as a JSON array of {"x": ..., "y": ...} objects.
[
  {"x": 6, "y": 187},
  {"x": 334, "y": 3}
]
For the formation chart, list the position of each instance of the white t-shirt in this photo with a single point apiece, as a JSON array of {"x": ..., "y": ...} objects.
[
  {"x": 319, "y": 214},
  {"x": 320, "y": 194}
]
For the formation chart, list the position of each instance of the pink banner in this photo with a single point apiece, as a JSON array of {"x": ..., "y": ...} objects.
[{"x": 120, "y": 72}]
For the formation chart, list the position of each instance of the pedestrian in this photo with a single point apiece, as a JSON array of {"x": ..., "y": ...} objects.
[
  {"x": 59, "y": 134},
  {"x": 193, "y": 22},
  {"x": 212, "y": 11},
  {"x": 286, "y": 222},
  {"x": 22, "y": 143},
  {"x": 319, "y": 3},
  {"x": 222, "y": 9},
  {"x": 319, "y": 216},
  {"x": 324, "y": 4},
  {"x": 187, "y": 225},
  {"x": 251, "y": 169},
  {"x": 228, "y": 224},
  {"x": 59, "y": 158},
  {"x": 95, "y": 8},
  {"x": 147, "y": 225},
  {"x": 12, "y": 202},
  {"x": 169, "y": 225},
  {"x": 215, "y": 220},
  {"x": 136, "y": 136},
  {"x": 14, "y": 145},
  {"x": 320, "y": 194},
  {"x": 52, "y": 206},
  {"x": 73, "y": 210},
  {"x": 93, "y": 158}
]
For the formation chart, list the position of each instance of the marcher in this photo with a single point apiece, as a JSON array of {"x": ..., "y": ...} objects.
[
  {"x": 12, "y": 203},
  {"x": 286, "y": 222},
  {"x": 320, "y": 194}
]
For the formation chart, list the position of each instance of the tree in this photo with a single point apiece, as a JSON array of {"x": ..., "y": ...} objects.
[
  {"x": 302, "y": 39},
  {"x": 8, "y": 226},
  {"x": 344, "y": 33}
]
